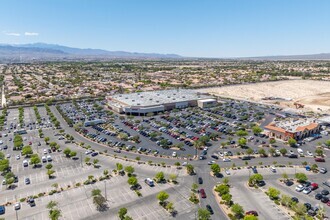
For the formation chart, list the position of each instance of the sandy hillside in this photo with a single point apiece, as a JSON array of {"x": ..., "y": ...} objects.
[{"x": 314, "y": 94}]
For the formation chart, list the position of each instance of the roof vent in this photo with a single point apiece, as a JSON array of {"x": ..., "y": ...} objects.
[
  {"x": 150, "y": 99},
  {"x": 141, "y": 96},
  {"x": 126, "y": 97},
  {"x": 157, "y": 101},
  {"x": 183, "y": 96},
  {"x": 138, "y": 104},
  {"x": 133, "y": 100}
]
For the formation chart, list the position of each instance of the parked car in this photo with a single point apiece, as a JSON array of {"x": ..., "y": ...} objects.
[
  {"x": 319, "y": 159},
  {"x": 300, "y": 188},
  {"x": 251, "y": 212},
  {"x": 307, "y": 190},
  {"x": 209, "y": 208},
  {"x": 202, "y": 193},
  {"x": 200, "y": 180},
  {"x": 318, "y": 196}
]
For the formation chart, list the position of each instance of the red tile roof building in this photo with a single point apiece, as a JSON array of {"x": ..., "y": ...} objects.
[{"x": 297, "y": 129}]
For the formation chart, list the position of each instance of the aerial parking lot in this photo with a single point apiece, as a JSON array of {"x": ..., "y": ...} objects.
[{"x": 89, "y": 162}]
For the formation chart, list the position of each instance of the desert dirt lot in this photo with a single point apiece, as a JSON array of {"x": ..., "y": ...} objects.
[{"x": 315, "y": 95}]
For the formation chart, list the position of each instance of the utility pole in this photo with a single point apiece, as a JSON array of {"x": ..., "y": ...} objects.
[
  {"x": 81, "y": 163},
  {"x": 105, "y": 190},
  {"x": 16, "y": 209}
]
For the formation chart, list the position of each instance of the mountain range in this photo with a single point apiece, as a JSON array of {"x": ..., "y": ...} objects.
[{"x": 54, "y": 52}]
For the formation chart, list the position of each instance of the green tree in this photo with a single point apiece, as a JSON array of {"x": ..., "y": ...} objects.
[
  {"x": 96, "y": 192},
  {"x": 73, "y": 153},
  {"x": 285, "y": 200},
  {"x": 46, "y": 139},
  {"x": 100, "y": 202},
  {"x": 242, "y": 142},
  {"x": 121, "y": 213},
  {"x": 190, "y": 169},
  {"x": 319, "y": 152},
  {"x": 67, "y": 152},
  {"x": 227, "y": 198},
  {"x": 4, "y": 165},
  {"x": 215, "y": 168},
  {"x": 173, "y": 177},
  {"x": 301, "y": 177},
  {"x": 262, "y": 152},
  {"x": 194, "y": 187},
  {"x": 237, "y": 210},
  {"x": 27, "y": 150},
  {"x": 250, "y": 217},
  {"x": 35, "y": 159},
  {"x": 249, "y": 151},
  {"x": 129, "y": 170},
  {"x": 159, "y": 177},
  {"x": 54, "y": 211},
  {"x": 292, "y": 142},
  {"x": 162, "y": 196},
  {"x": 49, "y": 166},
  {"x": 283, "y": 151},
  {"x": 255, "y": 178},
  {"x": 273, "y": 193},
  {"x": 203, "y": 214},
  {"x": 222, "y": 189},
  {"x": 285, "y": 176},
  {"x": 119, "y": 166},
  {"x": 256, "y": 130},
  {"x": 87, "y": 159},
  {"x": 50, "y": 173},
  {"x": 132, "y": 181},
  {"x": 241, "y": 133}
]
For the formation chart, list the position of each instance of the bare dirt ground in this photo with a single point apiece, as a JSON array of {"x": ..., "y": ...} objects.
[{"x": 314, "y": 95}]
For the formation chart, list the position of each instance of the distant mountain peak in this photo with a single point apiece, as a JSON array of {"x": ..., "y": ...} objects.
[{"x": 43, "y": 51}]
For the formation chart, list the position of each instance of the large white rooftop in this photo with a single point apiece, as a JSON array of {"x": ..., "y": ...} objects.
[{"x": 159, "y": 97}]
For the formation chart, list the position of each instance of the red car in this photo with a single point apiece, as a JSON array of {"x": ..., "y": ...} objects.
[
  {"x": 314, "y": 186},
  {"x": 319, "y": 159},
  {"x": 328, "y": 203},
  {"x": 252, "y": 212},
  {"x": 203, "y": 194}
]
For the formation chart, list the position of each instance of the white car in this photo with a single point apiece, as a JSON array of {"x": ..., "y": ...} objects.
[
  {"x": 273, "y": 169},
  {"x": 8, "y": 155},
  {"x": 1, "y": 142},
  {"x": 227, "y": 172},
  {"x": 309, "y": 153},
  {"x": 220, "y": 154},
  {"x": 300, "y": 188},
  {"x": 88, "y": 152},
  {"x": 226, "y": 159},
  {"x": 184, "y": 164},
  {"x": 174, "y": 154},
  {"x": 45, "y": 151},
  {"x": 17, "y": 206},
  {"x": 211, "y": 162},
  {"x": 18, "y": 157},
  {"x": 307, "y": 190}
]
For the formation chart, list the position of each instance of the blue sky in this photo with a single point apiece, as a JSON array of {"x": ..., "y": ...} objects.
[{"x": 200, "y": 28}]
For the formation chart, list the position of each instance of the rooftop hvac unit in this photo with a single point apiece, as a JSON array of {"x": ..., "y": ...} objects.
[
  {"x": 126, "y": 97},
  {"x": 138, "y": 104},
  {"x": 183, "y": 96},
  {"x": 157, "y": 101},
  {"x": 150, "y": 99},
  {"x": 168, "y": 96},
  {"x": 133, "y": 100},
  {"x": 141, "y": 96}
]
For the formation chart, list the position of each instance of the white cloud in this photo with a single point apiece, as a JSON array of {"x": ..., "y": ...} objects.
[
  {"x": 12, "y": 34},
  {"x": 31, "y": 34}
]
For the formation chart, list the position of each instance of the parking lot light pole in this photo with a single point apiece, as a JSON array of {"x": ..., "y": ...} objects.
[
  {"x": 81, "y": 163},
  {"x": 105, "y": 190},
  {"x": 16, "y": 209}
]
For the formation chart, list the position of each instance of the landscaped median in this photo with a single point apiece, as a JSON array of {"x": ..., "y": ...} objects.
[{"x": 233, "y": 210}]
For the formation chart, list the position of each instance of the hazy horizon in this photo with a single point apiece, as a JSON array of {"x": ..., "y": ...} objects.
[{"x": 212, "y": 29}]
